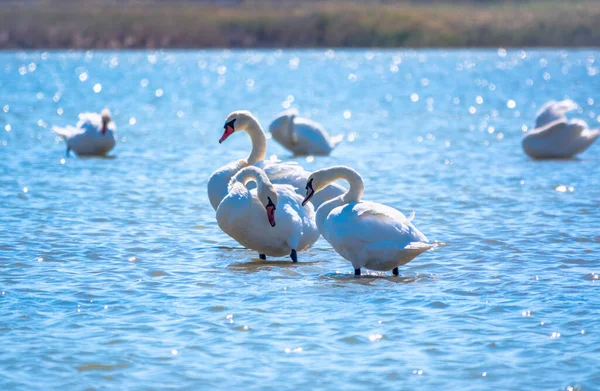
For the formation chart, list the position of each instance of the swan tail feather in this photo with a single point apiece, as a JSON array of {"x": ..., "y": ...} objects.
[
  {"x": 62, "y": 132},
  {"x": 419, "y": 247},
  {"x": 335, "y": 140}
]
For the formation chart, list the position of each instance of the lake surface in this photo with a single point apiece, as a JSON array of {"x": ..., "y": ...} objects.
[{"x": 115, "y": 275}]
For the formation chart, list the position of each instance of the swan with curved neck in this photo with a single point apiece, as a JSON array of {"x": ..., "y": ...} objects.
[
  {"x": 94, "y": 134},
  {"x": 289, "y": 226},
  {"x": 302, "y": 136},
  {"x": 368, "y": 234},
  {"x": 278, "y": 173},
  {"x": 555, "y": 136}
]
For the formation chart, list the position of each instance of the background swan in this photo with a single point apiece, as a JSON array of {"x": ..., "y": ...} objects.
[
  {"x": 287, "y": 226},
  {"x": 556, "y": 137},
  {"x": 280, "y": 173},
  {"x": 94, "y": 134},
  {"x": 367, "y": 234},
  {"x": 302, "y": 136}
]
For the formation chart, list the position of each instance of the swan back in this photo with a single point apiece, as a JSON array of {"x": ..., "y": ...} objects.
[
  {"x": 560, "y": 139},
  {"x": 218, "y": 182},
  {"x": 373, "y": 235}
]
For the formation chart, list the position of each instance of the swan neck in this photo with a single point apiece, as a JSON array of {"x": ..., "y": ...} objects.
[
  {"x": 357, "y": 186},
  {"x": 259, "y": 142},
  {"x": 353, "y": 194},
  {"x": 252, "y": 174}
]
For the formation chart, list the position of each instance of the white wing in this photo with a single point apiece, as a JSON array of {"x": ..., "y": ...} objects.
[
  {"x": 68, "y": 131},
  {"x": 93, "y": 119},
  {"x": 559, "y": 139},
  {"x": 373, "y": 235},
  {"x": 553, "y": 111}
]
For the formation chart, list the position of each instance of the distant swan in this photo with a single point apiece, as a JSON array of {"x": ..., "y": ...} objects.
[
  {"x": 280, "y": 173},
  {"x": 241, "y": 215},
  {"x": 94, "y": 134},
  {"x": 368, "y": 234},
  {"x": 302, "y": 136},
  {"x": 556, "y": 137}
]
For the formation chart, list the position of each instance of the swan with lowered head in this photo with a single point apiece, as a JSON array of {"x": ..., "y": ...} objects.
[
  {"x": 94, "y": 134},
  {"x": 556, "y": 137},
  {"x": 368, "y": 234},
  {"x": 278, "y": 173},
  {"x": 287, "y": 228},
  {"x": 302, "y": 136}
]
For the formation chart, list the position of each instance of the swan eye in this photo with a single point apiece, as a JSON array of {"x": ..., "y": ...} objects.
[
  {"x": 309, "y": 185},
  {"x": 270, "y": 204},
  {"x": 229, "y": 124}
]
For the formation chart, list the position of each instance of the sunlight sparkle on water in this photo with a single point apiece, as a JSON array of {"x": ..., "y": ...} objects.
[
  {"x": 564, "y": 189},
  {"x": 375, "y": 337}
]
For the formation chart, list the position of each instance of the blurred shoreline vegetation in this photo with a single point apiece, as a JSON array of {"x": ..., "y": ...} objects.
[{"x": 83, "y": 24}]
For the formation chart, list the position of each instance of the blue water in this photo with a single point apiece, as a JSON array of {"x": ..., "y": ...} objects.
[{"x": 115, "y": 275}]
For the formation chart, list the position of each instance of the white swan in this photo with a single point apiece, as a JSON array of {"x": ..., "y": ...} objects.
[
  {"x": 302, "y": 136},
  {"x": 94, "y": 134},
  {"x": 367, "y": 234},
  {"x": 556, "y": 137},
  {"x": 241, "y": 215},
  {"x": 279, "y": 173}
]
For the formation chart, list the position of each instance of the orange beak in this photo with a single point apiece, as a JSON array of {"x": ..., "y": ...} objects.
[{"x": 228, "y": 132}]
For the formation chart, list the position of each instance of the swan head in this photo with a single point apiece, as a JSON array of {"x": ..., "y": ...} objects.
[
  {"x": 268, "y": 197},
  {"x": 238, "y": 120},
  {"x": 105, "y": 115},
  {"x": 315, "y": 183}
]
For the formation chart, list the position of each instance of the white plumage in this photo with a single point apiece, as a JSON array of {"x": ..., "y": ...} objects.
[
  {"x": 302, "y": 136},
  {"x": 368, "y": 234},
  {"x": 279, "y": 173},
  {"x": 556, "y": 137},
  {"x": 244, "y": 215},
  {"x": 94, "y": 134}
]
